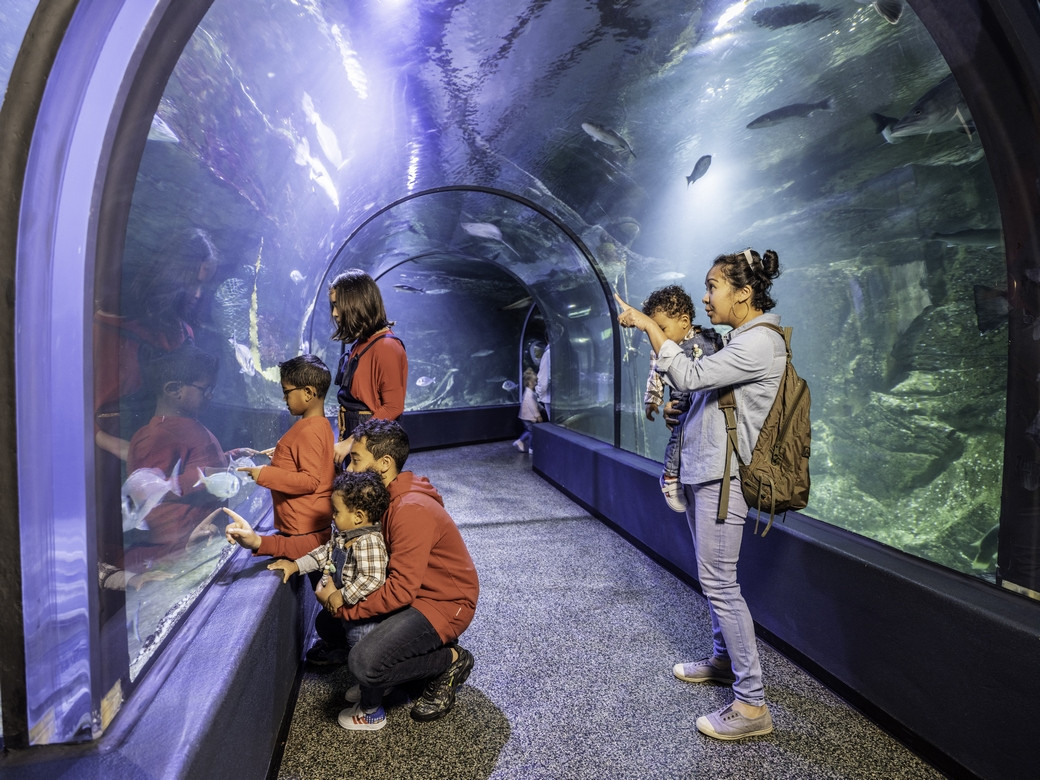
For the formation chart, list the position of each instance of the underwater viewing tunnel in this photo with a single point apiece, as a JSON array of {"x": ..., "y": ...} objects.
[{"x": 501, "y": 169}]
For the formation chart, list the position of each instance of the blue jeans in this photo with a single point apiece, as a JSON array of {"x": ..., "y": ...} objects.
[
  {"x": 528, "y": 435},
  {"x": 718, "y": 548},
  {"x": 402, "y": 647}
]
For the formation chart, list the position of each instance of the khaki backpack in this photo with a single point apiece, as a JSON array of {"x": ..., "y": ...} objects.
[{"x": 778, "y": 475}]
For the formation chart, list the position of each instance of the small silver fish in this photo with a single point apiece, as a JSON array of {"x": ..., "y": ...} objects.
[
  {"x": 482, "y": 353},
  {"x": 408, "y": 288},
  {"x": 607, "y": 136},
  {"x": 246, "y": 364},
  {"x": 296, "y": 276},
  {"x": 424, "y": 381},
  {"x": 793, "y": 111},
  {"x": 482, "y": 230},
  {"x": 223, "y": 484},
  {"x": 509, "y": 385},
  {"x": 143, "y": 489}
]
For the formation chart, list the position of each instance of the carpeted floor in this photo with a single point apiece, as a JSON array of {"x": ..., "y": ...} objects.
[{"x": 575, "y": 636}]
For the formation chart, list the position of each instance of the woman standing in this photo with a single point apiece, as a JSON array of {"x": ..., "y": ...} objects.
[
  {"x": 751, "y": 362},
  {"x": 373, "y": 373}
]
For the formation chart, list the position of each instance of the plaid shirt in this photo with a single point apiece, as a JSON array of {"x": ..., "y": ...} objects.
[
  {"x": 364, "y": 558},
  {"x": 654, "y": 384}
]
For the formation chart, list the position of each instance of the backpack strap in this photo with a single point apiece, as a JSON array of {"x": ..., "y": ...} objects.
[{"x": 728, "y": 405}]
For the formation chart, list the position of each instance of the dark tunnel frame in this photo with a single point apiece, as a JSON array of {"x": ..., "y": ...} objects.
[{"x": 983, "y": 41}]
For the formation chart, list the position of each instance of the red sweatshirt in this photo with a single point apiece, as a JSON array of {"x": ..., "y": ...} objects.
[
  {"x": 381, "y": 377},
  {"x": 430, "y": 568},
  {"x": 300, "y": 479}
]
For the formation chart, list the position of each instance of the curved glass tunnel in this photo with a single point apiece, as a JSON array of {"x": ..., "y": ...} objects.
[{"x": 502, "y": 169}]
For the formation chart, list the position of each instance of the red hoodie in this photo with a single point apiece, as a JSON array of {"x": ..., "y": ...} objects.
[{"x": 430, "y": 568}]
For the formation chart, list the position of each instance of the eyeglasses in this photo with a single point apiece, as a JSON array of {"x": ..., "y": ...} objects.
[
  {"x": 206, "y": 390},
  {"x": 285, "y": 392}
]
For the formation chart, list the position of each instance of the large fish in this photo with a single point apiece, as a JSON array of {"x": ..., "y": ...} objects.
[
  {"x": 607, "y": 136},
  {"x": 790, "y": 14},
  {"x": 699, "y": 169},
  {"x": 143, "y": 489},
  {"x": 984, "y": 237},
  {"x": 939, "y": 110},
  {"x": 793, "y": 111}
]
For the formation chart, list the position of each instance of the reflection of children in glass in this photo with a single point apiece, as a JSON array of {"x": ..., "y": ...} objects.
[
  {"x": 355, "y": 556},
  {"x": 672, "y": 309},
  {"x": 529, "y": 411},
  {"x": 173, "y": 440},
  {"x": 301, "y": 472}
]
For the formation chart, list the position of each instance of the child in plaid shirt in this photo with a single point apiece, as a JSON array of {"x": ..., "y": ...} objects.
[
  {"x": 355, "y": 557},
  {"x": 672, "y": 309}
]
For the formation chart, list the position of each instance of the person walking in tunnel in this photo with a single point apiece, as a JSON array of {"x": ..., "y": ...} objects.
[
  {"x": 373, "y": 374},
  {"x": 751, "y": 362},
  {"x": 429, "y": 598}
]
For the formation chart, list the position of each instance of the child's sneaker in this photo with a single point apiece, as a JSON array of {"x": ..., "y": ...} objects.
[
  {"x": 519, "y": 445},
  {"x": 356, "y": 719},
  {"x": 673, "y": 493}
]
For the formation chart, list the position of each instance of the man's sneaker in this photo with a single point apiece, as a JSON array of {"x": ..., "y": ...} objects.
[
  {"x": 727, "y": 723},
  {"x": 439, "y": 697},
  {"x": 673, "y": 494},
  {"x": 704, "y": 671},
  {"x": 324, "y": 654},
  {"x": 356, "y": 719}
]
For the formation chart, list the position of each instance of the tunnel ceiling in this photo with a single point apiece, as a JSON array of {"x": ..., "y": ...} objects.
[{"x": 661, "y": 133}]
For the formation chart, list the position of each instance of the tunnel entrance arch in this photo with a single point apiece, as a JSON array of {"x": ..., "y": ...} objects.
[{"x": 480, "y": 258}]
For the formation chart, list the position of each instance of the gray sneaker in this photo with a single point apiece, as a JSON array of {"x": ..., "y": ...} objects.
[
  {"x": 727, "y": 723},
  {"x": 673, "y": 494},
  {"x": 704, "y": 670}
]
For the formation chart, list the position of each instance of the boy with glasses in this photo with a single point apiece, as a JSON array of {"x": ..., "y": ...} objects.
[{"x": 302, "y": 469}]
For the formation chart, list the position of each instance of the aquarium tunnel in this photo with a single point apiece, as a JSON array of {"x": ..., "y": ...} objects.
[{"x": 202, "y": 169}]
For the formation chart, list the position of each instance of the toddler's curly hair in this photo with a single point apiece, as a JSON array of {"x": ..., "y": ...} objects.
[{"x": 672, "y": 301}]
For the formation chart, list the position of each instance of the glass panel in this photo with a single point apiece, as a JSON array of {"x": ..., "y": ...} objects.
[
  {"x": 842, "y": 142},
  {"x": 292, "y": 143}
]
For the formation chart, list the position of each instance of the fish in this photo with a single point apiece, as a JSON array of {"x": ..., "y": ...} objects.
[
  {"x": 424, "y": 381},
  {"x": 509, "y": 385},
  {"x": 522, "y": 303},
  {"x": 991, "y": 308},
  {"x": 244, "y": 356},
  {"x": 482, "y": 353},
  {"x": 296, "y": 276},
  {"x": 160, "y": 131},
  {"x": 793, "y": 111},
  {"x": 939, "y": 110},
  {"x": 779, "y": 16},
  {"x": 408, "y": 288},
  {"x": 223, "y": 484},
  {"x": 607, "y": 136},
  {"x": 482, "y": 230},
  {"x": 699, "y": 169},
  {"x": 670, "y": 276},
  {"x": 984, "y": 237},
  {"x": 437, "y": 291},
  {"x": 143, "y": 489}
]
